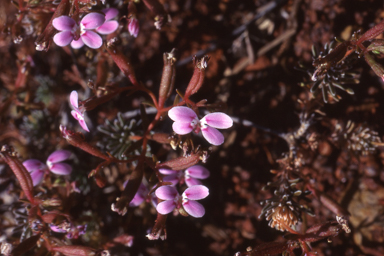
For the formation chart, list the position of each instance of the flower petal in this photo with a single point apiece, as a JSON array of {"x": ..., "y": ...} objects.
[
  {"x": 218, "y": 120},
  {"x": 213, "y": 136},
  {"x": 108, "y": 27},
  {"x": 57, "y": 229},
  {"x": 196, "y": 192},
  {"x": 192, "y": 182},
  {"x": 194, "y": 208},
  {"x": 37, "y": 177},
  {"x": 198, "y": 172},
  {"x": 171, "y": 178},
  {"x": 63, "y": 38},
  {"x": 110, "y": 13},
  {"x": 61, "y": 169},
  {"x": 182, "y": 128},
  {"x": 74, "y": 98},
  {"x": 63, "y": 23},
  {"x": 92, "y": 20},
  {"x": 139, "y": 196},
  {"x": 83, "y": 125},
  {"x": 92, "y": 39},
  {"x": 77, "y": 115},
  {"x": 137, "y": 200},
  {"x": 77, "y": 44},
  {"x": 166, "y": 193},
  {"x": 167, "y": 171},
  {"x": 166, "y": 207},
  {"x": 182, "y": 114},
  {"x": 59, "y": 156},
  {"x": 33, "y": 164}
]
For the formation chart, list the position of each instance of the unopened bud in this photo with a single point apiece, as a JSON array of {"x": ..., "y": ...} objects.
[
  {"x": 133, "y": 27},
  {"x": 52, "y": 202}
]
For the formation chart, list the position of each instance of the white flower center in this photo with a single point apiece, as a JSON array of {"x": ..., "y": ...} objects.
[
  {"x": 195, "y": 124},
  {"x": 82, "y": 29}
]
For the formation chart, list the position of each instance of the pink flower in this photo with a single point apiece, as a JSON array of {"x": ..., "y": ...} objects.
[
  {"x": 53, "y": 164},
  {"x": 133, "y": 27},
  {"x": 77, "y": 113},
  {"x": 187, "y": 200},
  {"x": 71, "y": 30},
  {"x": 187, "y": 121},
  {"x": 109, "y": 25},
  {"x": 191, "y": 176}
]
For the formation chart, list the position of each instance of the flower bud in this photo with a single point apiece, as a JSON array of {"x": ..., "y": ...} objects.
[
  {"x": 133, "y": 27},
  {"x": 53, "y": 202}
]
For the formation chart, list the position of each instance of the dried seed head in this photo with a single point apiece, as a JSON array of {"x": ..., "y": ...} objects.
[
  {"x": 331, "y": 70},
  {"x": 284, "y": 210},
  {"x": 358, "y": 138}
]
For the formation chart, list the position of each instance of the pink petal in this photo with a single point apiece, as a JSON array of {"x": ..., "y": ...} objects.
[
  {"x": 167, "y": 171},
  {"x": 166, "y": 207},
  {"x": 37, "y": 177},
  {"x": 198, "y": 172},
  {"x": 33, "y": 164},
  {"x": 218, "y": 120},
  {"x": 139, "y": 196},
  {"x": 63, "y": 23},
  {"x": 77, "y": 115},
  {"x": 59, "y": 156},
  {"x": 77, "y": 44},
  {"x": 57, "y": 229},
  {"x": 83, "y": 125},
  {"x": 61, "y": 169},
  {"x": 74, "y": 98},
  {"x": 137, "y": 200},
  {"x": 196, "y": 192},
  {"x": 108, "y": 27},
  {"x": 213, "y": 136},
  {"x": 192, "y": 182},
  {"x": 182, "y": 114},
  {"x": 63, "y": 38},
  {"x": 166, "y": 193},
  {"x": 172, "y": 178},
  {"x": 92, "y": 39},
  {"x": 110, "y": 13},
  {"x": 194, "y": 208},
  {"x": 182, "y": 128},
  {"x": 92, "y": 20}
]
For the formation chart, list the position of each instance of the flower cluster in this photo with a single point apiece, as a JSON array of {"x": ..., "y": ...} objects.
[
  {"x": 73, "y": 232},
  {"x": 173, "y": 200},
  {"x": 77, "y": 113},
  {"x": 190, "y": 176},
  {"x": 54, "y": 164},
  {"x": 186, "y": 121},
  {"x": 78, "y": 34}
]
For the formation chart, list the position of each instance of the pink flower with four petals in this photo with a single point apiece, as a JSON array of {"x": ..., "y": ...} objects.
[
  {"x": 53, "y": 164},
  {"x": 187, "y": 121},
  {"x": 173, "y": 200},
  {"x": 77, "y": 113},
  {"x": 70, "y": 30}
]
